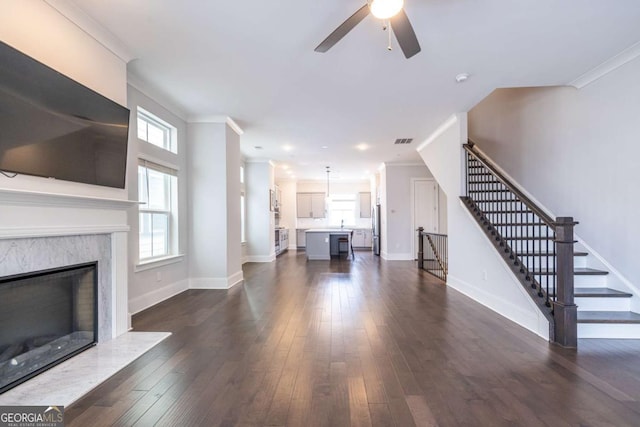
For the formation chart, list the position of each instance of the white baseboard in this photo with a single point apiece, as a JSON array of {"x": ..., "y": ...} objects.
[
  {"x": 397, "y": 257},
  {"x": 531, "y": 320},
  {"x": 156, "y": 296},
  {"x": 261, "y": 258},
  {"x": 216, "y": 282}
]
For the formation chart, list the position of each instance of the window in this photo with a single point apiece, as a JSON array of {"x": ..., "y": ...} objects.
[
  {"x": 156, "y": 131},
  {"x": 157, "y": 191},
  {"x": 243, "y": 207},
  {"x": 342, "y": 209}
]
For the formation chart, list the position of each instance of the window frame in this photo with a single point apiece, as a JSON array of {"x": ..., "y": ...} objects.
[
  {"x": 341, "y": 198},
  {"x": 169, "y": 132},
  {"x": 169, "y": 211}
]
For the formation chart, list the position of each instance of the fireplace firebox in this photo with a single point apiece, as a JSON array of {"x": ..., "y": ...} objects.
[{"x": 46, "y": 317}]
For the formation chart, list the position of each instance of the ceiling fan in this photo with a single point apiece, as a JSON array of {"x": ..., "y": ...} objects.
[{"x": 386, "y": 10}]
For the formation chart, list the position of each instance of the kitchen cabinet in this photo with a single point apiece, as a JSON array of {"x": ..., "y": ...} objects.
[
  {"x": 365, "y": 205},
  {"x": 368, "y": 238},
  {"x": 282, "y": 240},
  {"x": 301, "y": 237},
  {"x": 310, "y": 205},
  {"x": 362, "y": 238},
  {"x": 358, "y": 239}
]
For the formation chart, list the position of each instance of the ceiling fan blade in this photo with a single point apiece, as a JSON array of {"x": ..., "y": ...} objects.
[
  {"x": 343, "y": 29},
  {"x": 404, "y": 34}
]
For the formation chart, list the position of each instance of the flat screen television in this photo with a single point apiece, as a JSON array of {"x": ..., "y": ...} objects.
[{"x": 54, "y": 127}]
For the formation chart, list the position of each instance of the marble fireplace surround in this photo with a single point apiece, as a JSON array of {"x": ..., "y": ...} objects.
[
  {"x": 39, "y": 231},
  {"x": 34, "y": 254}
]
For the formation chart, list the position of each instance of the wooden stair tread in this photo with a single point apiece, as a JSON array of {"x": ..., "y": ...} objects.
[
  {"x": 542, "y": 254},
  {"x": 576, "y": 271},
  {"x": 608, "y": 317},
  {"x": 600, "y": 293}
]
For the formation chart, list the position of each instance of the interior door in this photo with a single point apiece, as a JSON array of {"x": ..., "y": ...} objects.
[{"x": 425, "y": 208}]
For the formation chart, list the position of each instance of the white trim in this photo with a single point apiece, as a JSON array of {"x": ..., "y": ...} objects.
[
  {"x": 412, "y": 193},
  {"x": 160, "y": 262},
  {"x": 509, "y": 310},
  {"x": 28, "y": 197},
  {"x": 612, "y": 271},
  {"x": 261, "y": 258},
  {"x": 217, "y": 119},
  {"x": 90, "y": 26},
  {"x": 627, "y": 55},
  {"x": 143, "y": 87},
  {"x": 452, "y": 120},
  {"x": 138, "y": 304},
  {"x": 156, "y": 160},
  {"x": 32, "y": 232},
  {"x": 216, "y": 282},
  {"x": 397, "y": 256}
]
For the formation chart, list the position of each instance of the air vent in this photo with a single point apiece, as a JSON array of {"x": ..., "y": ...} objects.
[{"x": 404, "y": 141}]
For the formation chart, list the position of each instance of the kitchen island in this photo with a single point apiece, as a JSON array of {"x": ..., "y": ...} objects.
[{"x": 322, "y": 243}]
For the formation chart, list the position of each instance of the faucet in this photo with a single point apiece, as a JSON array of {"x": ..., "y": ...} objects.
[{"x": 341, "y": 223}]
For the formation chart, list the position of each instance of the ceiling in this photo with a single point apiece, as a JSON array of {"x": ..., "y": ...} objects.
[{"x": 254, "y": 61}]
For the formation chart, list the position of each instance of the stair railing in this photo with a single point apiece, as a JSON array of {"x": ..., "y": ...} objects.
[
  {"x": 537, "y": 247},
  {"x": 433, "y": 253}
]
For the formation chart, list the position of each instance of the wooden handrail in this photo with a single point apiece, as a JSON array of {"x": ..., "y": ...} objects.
[{"x": 530, "y": 204}]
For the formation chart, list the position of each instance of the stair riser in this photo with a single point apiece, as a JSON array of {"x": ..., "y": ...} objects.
[
  {"x": 609, "y": 330},
  {"x": 580, "y": 281},
  {"x": 603, "y": 304}
]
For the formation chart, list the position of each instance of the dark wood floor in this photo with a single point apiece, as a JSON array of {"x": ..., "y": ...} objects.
[{"x": 357, "y": 343}]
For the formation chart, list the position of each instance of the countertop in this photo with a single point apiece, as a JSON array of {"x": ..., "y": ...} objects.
[{"x": 329, "y": 230}]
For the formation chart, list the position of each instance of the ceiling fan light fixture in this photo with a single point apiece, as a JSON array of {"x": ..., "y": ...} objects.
[{"x": 385, "y": 9}]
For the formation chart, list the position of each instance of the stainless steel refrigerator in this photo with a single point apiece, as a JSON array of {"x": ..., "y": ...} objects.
[{"x": 375, "y": 229}]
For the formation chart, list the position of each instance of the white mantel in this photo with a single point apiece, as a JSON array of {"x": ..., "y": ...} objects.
[{"x": 34, "y": 226}]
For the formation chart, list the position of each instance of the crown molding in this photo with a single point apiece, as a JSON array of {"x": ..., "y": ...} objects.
[
  {"x": 217, "y": 119},
  {"x": 153, "y": 94},
  {"x": 90, "y": 26},
  {"x": 627, "y": 55}
]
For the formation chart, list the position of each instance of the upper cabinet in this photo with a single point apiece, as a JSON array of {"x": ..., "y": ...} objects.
[
  {"x": 310, "y": 205},
  {"x": 365, "y": 205}
]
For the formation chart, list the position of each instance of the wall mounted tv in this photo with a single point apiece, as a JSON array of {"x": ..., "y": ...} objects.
[{"x": 54, "y": 127}]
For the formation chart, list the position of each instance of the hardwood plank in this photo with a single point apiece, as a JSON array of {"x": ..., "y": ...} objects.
[{"x": 364, "y": 342}]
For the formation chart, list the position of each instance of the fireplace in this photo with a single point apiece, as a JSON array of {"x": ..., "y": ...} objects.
[{"x": 46, "y": 317}]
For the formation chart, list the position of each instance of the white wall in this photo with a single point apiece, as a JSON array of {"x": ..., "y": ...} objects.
[
  {"x": 260, "y": 220},
  {"x": 475, "y": 267},
  {"x": 155, "y": 282},
  {"x": 215, "y": 253},
  {"x": 41, "y": 32},
  {"x": 576, "y": 152},
  {"x": 38, "y": 30},
  {"x": 397, "y": 226}
]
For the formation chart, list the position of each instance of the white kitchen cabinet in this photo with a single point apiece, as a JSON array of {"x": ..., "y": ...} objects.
[
  {"x": 368, "y": 238},
  {"x": 310, "y": 205},
  {"x": 301, "y": 237},
  {"x": 358, "y": 239},
  {"x": 365, "y": 205}
]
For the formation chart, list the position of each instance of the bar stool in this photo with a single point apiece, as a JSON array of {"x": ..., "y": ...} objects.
[{"x": 343, "y": 242}]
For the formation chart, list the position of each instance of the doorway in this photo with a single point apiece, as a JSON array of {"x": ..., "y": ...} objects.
[{"x": 425, "y": 209}]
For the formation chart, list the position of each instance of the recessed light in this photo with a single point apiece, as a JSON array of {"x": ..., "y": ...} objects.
[
  {"x": 362, "y": 147},
  {"x": 287, "y": 147},
  {"x": 258, "y": 147},
  {"x": 462, "y": 77},
  {"x": 324, "y": 147}
]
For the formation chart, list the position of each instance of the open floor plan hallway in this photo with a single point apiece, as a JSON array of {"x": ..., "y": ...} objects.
[{"x": 357, "y": 343}]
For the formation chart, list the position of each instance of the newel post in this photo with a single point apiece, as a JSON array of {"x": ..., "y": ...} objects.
[
  {"x": 420, "y": 248},
  {"x": 564, "y": 308}
]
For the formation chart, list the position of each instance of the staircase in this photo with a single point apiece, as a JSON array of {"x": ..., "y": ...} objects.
[{"x": 539, "y": 249}]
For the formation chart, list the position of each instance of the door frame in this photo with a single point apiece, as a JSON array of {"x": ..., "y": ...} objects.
[{"x": 414, "y": 250}]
